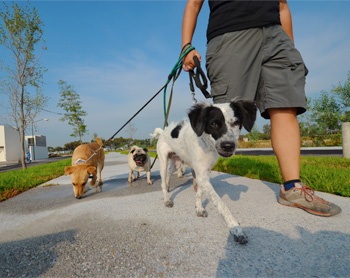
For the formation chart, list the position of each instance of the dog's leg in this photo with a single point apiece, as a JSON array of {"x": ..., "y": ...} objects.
[
  {"x": 171, "y": 169},
  {"x": 233, "y": 225},
  {"x": 201, "y": 212},
  {"x": 131, "y": 175},
  {"x": 163, "y": 159},
  {"x": 179, "y": 172},
  {"x": 93, "y": 180},
  {"x": 99, "y": 178},
  {"x": 149, "y": 182},
  {"x": 138, "y": 175},
  {"x": 178, "y": 164},
  {"x": 195, "y": 185}
]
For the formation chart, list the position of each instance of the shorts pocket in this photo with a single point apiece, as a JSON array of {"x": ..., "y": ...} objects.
[{"x": 218, "y": 90}]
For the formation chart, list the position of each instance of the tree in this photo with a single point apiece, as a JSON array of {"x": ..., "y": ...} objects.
[
  {"x": 326, "y": 112},
  {"x": 342, "y": 91},
  {"x": 71, "y": 146},
  {"x": 266, "y": 135},
  {"x": 20, "y": 32},
  {"x": 130, "y": 130},
  {"x": 254, "y": 134},
  {"x": 94, "y": 137},
  {"x": 71, "y": 104},
  {"x": 306, "y": 124}
]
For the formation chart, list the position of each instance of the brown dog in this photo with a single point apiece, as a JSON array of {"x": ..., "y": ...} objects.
[{"x": 88, "y": 159}]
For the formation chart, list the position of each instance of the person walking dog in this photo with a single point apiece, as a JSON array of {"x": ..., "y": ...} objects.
[{"x": 251, "y": 55}]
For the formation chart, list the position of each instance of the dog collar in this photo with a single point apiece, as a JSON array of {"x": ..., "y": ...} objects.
[{"x": 79, "y": 161}]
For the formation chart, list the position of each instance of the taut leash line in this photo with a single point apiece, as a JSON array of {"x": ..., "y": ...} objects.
[{"x": 174, "y": 74}]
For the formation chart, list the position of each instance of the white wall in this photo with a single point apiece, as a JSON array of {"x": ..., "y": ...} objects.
[
  {"x": 40, "y": 150},
  {"x": 9, "y": 139},
  {"x": 2, "y": 143}
]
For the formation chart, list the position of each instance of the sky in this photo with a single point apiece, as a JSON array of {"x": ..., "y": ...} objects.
[{"x": 118, "y": 54}]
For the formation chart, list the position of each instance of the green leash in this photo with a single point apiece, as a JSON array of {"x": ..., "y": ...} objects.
[{"x": 174, "y": 74}]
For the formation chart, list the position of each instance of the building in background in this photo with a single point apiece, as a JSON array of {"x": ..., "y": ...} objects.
[
  {"x": 37, "y": 146},
  {"x": 10, "y": 147}
]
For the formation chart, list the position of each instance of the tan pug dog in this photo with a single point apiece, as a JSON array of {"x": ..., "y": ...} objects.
[
  {"x": 139, "y": 161},
  {"x": 87, "y": 159}
]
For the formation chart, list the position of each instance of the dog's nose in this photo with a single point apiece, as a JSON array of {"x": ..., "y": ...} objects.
[
  {"x": 78, "y": 197},
  {"x": 228, "y": 146}
]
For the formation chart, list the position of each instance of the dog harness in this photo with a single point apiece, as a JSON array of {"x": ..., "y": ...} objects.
[{"x": 84, "y": 161}]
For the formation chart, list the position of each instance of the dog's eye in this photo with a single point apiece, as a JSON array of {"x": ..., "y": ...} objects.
[
  {"x": 84, "y": 183},
  {"x": 236, "y": 123},
  {"x": 74, "y": 184},
  {"x": 214, "y": 124}
]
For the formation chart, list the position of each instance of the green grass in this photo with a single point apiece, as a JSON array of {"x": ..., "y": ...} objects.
[
  {"x": 327, "y": 174},
  {"x": 17, "y": 181}
]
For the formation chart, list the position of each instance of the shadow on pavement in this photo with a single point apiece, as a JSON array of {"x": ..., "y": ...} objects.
[
  {"x": 276, "y": 255},
  {"x": 31, "y": 257}
]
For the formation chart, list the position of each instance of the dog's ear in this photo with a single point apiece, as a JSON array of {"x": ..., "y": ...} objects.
[
  {"x": 99, "y": 141},
  {"x": 91, "y": 170},
  {"x": 145, "y": 150},
  {"x": 197, "y": 116},
  {"x": 133, "y": 149},
  {"x": 68, "y": 170},
  {"x": 245, "y": 111}
]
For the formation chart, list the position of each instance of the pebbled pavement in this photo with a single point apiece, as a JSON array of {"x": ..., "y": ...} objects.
[{"x": 126, "y": 231}]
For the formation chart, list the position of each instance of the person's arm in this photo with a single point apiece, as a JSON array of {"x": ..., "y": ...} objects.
[
  {"x": 189, "y": 23},
  {"x": 286, "y": 18}
]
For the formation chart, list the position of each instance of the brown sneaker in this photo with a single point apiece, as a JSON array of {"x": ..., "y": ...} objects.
[{"x": 304, "y": 197}]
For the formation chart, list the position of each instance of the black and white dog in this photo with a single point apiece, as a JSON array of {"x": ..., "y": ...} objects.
[{"x": 212, "y": 130}]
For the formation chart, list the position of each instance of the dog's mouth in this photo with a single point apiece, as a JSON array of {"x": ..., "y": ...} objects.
[
  {"x": 140, "y": 160},
  {"x": 226, "y": 154}
]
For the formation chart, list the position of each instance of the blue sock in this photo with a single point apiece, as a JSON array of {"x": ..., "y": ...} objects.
[{"x": 289, "y": 184}]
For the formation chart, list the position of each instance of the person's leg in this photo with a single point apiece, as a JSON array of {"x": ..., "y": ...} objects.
[{"x": 285, "y": 139}]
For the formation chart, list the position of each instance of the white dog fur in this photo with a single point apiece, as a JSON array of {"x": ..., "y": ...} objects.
[{"x": 212, "y": 130}]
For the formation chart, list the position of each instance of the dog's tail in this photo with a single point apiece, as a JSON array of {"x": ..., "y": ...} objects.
[
  {"x": 158, "y": 131},
  {"x": 99, "y": 141}
]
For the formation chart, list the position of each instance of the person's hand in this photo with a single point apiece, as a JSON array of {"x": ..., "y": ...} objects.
[{"x": 188, "y": 63}]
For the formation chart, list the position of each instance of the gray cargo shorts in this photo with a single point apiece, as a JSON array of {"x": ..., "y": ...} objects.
[{"x": 258, "y": 64}]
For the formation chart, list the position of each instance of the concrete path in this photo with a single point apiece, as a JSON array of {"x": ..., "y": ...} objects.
[{"x": 126, "y": 231}]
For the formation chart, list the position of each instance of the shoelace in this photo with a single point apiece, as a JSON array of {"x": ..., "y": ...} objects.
[{"x": 310, "y": 195}]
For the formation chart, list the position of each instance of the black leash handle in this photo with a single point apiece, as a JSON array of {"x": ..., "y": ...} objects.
[{"x": 199, "y": 78}]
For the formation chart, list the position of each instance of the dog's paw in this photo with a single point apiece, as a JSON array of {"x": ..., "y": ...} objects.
[
  {"x": 169, "y": 204},
  {"x": 149, "y": 183},
  {"x": 238, "y": 235},
  {"x": 202, "y": 213}
]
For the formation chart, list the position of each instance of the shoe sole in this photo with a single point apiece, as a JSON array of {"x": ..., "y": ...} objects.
[{"x": 290, "y": 204}]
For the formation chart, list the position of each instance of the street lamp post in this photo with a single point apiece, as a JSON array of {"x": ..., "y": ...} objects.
[{"x": 33, "y": 141}]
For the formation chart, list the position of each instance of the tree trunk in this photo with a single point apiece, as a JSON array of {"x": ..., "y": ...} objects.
[{"x": 23, "y": 161}]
